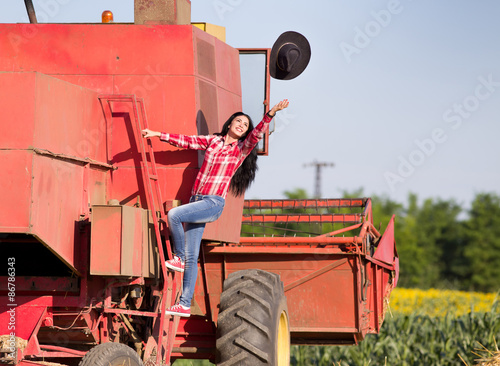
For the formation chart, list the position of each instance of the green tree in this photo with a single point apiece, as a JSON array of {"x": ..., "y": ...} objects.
[
  {"x": 482, "y": 233},
  {"x": 450, "y": 238},
  {"x": 297, "y": 194},
  {"x": 438, "y": 236},
  {"x": 410, "y": 253},
  {"x": 428, "y": 238}
]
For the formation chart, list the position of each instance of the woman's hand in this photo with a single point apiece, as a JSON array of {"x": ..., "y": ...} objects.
[
  {"x": 147, "y": 133},
  {"x": 278, "y": 107}
]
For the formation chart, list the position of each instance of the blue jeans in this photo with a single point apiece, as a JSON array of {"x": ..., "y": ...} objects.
[{"x": 187, "y": 241}]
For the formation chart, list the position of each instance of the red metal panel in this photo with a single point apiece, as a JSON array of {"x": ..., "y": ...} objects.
[
  {"x": 97, "y": 49},
  {"x": 215, "y": 271},
  {"x": 17, "y": 103},
  {"x": 386, "y": 247},
  {"x": 200, "y": 304},
  {"x": 68, "y": 119},
  {"x": 177, "y": 183},
  {"x": 217, "y": 66},
  {"x": 15, "y": 193},
  {"x": 208, "y": 120},
  {"x": 120, "y": 244},
  {"x": 324, "y": 303},
  {"x": 133, "y": 233},
  {"x": 227, "y": 228},
  {"x": 169, "y": 100},
  {"x": 97, "y": 186},
  {"x": 98, "y": 83},
  {"x": 228, "y": 103},
  {"x": 204, "y": 54},
  {"x": 170, "y": 107},
  {"x": 105, "y": 244},
  {"x": 228, "y": 67},
  {"x": 56, "y": 205},
  {"x": 25, "y": 318},
  {"x": 333, "y": 300}
]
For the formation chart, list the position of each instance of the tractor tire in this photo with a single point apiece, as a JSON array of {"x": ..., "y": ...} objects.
[
  {"x": 111, "y": 354},
  {"x": 252, "y": 327}
]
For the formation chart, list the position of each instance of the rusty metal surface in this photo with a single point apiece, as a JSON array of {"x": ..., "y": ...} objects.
[
  {"x": 47, "y": 181},
  {"x": 15, "y": 195},
  {"x": 336, "y": 292},
  {"x": 304, "y": 203},
  {"x": 120, "y": 243},
  {"x": 162, "y": 12},
  {"x": 55, "y": 208},
  {"x": 332, "y": 297},
  {"x": 301, "y": 218},
  {"x": 386, "y": 249},
  {"x": 174, "y": 100}
]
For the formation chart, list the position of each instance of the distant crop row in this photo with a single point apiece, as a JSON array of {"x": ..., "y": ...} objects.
[
  {"x": 422, "y": 327},
  {"x": 437, "y": 303},
  {"x": 432, "y": 327}
]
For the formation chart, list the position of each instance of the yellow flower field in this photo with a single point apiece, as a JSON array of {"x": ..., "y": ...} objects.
[{"x": 437, "y": 303}]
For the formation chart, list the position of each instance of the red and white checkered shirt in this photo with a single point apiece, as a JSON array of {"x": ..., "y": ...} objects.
[{"x": 221, "y": 161}]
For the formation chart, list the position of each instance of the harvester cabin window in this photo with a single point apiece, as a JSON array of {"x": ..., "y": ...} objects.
[{"x": 255, "y": 87}]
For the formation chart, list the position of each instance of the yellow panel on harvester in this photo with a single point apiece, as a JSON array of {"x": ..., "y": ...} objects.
[{"x": 215, "y": 30}]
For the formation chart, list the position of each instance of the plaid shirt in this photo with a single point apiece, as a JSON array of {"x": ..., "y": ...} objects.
[{"x": 221, "y": 161}]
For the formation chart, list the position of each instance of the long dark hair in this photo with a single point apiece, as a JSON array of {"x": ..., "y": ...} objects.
[{"x": 245, "y": 174}]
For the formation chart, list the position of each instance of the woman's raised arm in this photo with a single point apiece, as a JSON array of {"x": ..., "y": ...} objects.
[
  {"x": 147, "y": 133},
  {"x": 278, "y": 107}
]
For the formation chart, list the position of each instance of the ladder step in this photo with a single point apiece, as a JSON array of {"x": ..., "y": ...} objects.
[{"x": 153, "y": 177}]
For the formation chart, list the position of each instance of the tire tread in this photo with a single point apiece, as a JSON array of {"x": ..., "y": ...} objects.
[
  {"x": 99, "y": 355},
  {"x": 250, "y": 307}
]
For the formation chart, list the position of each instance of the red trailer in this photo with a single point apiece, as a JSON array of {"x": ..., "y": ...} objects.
[{"x": 83, "y": 200}]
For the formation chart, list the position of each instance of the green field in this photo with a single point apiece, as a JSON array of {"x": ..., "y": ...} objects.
[{"x": 445, "y": 328}]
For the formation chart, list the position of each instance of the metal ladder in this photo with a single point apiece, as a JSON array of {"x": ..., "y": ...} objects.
[{"x": 170, "y": 289}]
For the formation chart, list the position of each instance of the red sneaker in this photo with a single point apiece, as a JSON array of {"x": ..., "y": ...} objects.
[
  {"x": 178, "y": 310},
  {"x": 175, "y": 264}
]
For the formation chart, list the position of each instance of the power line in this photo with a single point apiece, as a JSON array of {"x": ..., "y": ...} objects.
[{"x": 318, "y": 166}]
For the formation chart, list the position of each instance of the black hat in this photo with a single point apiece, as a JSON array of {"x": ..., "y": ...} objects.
[{"x": 289, "y": 56}]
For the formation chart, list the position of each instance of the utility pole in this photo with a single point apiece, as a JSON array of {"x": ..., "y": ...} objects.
[{"x": 318, "y": 166}]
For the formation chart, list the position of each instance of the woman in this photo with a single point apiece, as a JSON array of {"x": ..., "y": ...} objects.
[{"x": 224, "y": 154}]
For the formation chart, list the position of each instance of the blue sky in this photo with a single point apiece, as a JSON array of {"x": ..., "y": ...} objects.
[{"x": 403, "y": 96}]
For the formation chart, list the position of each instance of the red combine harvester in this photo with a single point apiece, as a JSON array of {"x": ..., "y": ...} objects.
[{"x": 83, "y": 201}]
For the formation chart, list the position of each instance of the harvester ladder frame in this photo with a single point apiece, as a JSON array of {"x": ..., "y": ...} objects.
[{"x": 140, "y": 122}]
